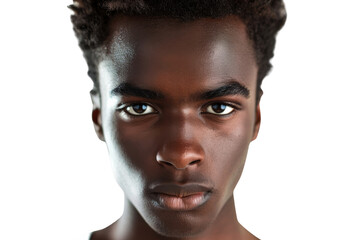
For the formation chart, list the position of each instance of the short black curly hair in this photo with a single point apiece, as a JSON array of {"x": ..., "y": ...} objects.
[{"x": 263, "y": 19}]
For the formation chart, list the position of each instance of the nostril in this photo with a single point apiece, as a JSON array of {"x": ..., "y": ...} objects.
[
  {"x": 167, "y": 163},
  {"x": 194, "y": 162},
  {"x": 173, "y": 165}
]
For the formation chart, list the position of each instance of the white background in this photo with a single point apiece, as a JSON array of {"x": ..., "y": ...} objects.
[{"x": 301, "y": 180}]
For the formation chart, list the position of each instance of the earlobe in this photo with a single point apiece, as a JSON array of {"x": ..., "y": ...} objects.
[{"x": 257, "y": 122}]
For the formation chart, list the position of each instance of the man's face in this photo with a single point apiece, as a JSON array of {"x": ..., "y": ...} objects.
[{"x": 177, "y": 114}]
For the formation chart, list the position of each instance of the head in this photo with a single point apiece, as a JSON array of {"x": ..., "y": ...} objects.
[{"x": 176, "y": 94}]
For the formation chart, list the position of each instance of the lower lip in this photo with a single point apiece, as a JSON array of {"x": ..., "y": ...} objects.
[{"x": 186, "y": 203}]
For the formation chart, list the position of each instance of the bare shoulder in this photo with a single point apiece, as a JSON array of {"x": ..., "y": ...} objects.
[
  {"x": 245, "y": 234},
  {"x": 104, "y": 234},
  {"x": 250, "y": 236}
]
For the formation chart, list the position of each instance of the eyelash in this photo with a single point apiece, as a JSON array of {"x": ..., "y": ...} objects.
[
  {"x": 226, "y": 104},
  {"x": 125, "y": 108}
]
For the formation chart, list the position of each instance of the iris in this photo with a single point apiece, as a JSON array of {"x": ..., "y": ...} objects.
[
  {"x": 139, "y": 108},
  {"x": 218, "y": 107}
]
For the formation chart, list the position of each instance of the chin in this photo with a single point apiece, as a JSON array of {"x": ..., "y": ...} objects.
[{"x": 179, "y": 225}]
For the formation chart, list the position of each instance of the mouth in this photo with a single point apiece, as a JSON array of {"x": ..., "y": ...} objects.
[{"x": 180, "y": 197}]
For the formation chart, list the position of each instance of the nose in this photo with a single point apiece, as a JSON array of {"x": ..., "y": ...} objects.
[
  {"x": 180, "y": 155},
  {"x": 181, "y": 146}
]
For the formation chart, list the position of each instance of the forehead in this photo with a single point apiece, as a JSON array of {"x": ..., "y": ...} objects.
[{"x": 140, "y": 48}]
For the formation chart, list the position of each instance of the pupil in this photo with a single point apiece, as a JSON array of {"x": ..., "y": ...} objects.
[
  {"x": 140, "y": 108},
  {"x": 218, "y": 108}
]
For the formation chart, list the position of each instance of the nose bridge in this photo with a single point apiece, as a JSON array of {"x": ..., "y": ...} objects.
[
  {"x": 180, "y": 147},
  {"x": 181, "y": 126}
]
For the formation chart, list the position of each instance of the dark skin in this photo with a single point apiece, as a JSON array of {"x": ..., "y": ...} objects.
[{"x": 177, "y": 111}]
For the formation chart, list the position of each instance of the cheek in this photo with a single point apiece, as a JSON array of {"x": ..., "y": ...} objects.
[
  {"x": 227, "y": 154},
  {"x": 132, "y": 150},
  {"x": 229, "y": 158}
]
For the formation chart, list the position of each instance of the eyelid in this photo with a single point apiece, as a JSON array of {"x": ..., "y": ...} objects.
[
  {"x": 235, "y": 106},
  {"x": 123, "y": 108}
]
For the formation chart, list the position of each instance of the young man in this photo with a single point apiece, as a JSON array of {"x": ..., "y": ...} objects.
[{"x": 176, "y": 99}]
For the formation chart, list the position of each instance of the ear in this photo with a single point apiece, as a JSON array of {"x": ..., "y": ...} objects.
[
  {"x": 257, "y": 122},
  {"x": 257, "y": 116},
  {"x": 96, "y": 115}
]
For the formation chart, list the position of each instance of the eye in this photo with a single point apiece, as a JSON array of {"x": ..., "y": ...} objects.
[
  {"x": 139, "y": 109},
  {"x": 219, "y": 109}
]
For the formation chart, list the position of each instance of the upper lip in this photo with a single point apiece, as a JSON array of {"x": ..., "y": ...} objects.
[{"x": 180, "y": 190}]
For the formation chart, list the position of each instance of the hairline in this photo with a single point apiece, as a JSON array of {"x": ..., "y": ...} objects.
[{"x": 102, "y": 50}]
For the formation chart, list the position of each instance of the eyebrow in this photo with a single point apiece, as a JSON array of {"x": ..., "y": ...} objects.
[
  {"x": 230, "y": 88},
  {"x": 127, "y": 89}
]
